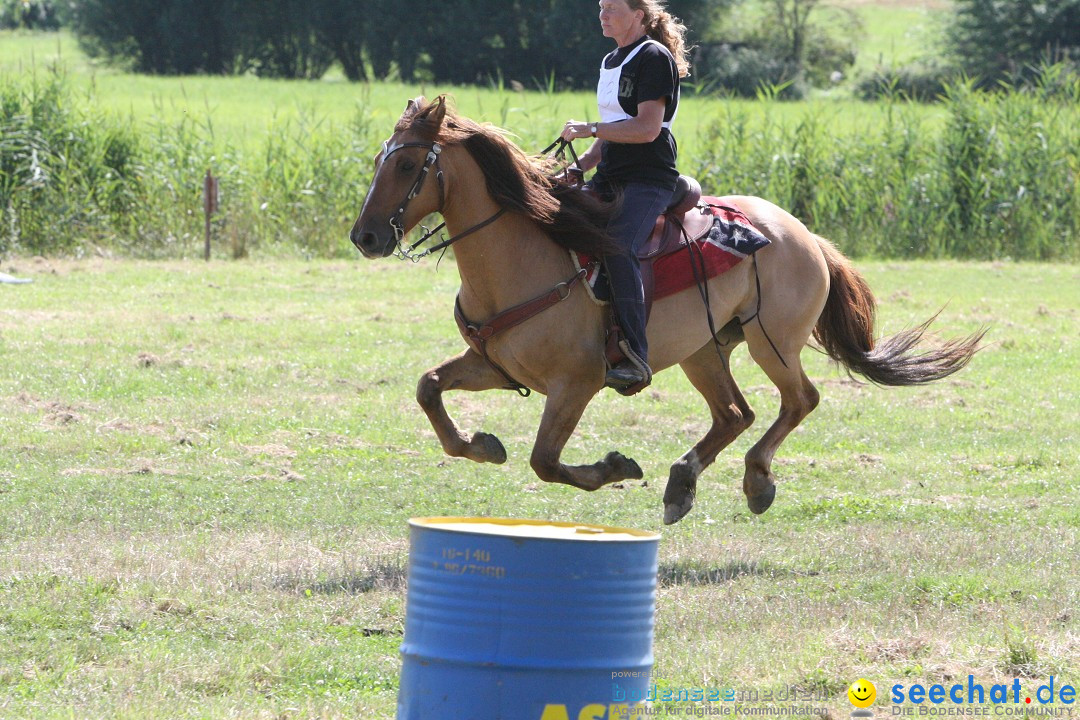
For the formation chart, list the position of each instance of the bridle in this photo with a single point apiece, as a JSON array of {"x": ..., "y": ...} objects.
[{"x": 406, "y": 252}]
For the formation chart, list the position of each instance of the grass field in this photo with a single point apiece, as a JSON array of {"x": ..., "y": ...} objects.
[
  {"x": 105, "y": 162},
  {"x": 242, "y": 111},
  {"x": 207, "y": 471},
  {"x": 893, "y": 32}
]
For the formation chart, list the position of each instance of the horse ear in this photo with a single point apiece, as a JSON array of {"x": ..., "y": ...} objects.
[
  {"x": 411, "y": 109},
  {"x": 433, "y": 115}
]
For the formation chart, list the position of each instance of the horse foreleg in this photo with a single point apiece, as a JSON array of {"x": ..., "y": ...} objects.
[
  {"x": 562, "y": 412},
  {"x": 798, "y": 398},
  {"x": 467, "y": 371},
  {"x": 709, "y": 373}
]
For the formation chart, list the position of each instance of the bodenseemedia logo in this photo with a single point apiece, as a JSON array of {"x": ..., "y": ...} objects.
[{"x": 669, "y": 694}]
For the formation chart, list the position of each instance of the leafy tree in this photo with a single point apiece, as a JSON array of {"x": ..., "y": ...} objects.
[
  {"x": 278, "y": 38},
  {"x": 159, "y": 36},
  {"x": 346, "y": 26},
  {"x": 1006, "y": 39}
]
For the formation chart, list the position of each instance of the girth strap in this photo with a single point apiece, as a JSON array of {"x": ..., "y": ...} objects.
[{"x": 478, "y": 335}]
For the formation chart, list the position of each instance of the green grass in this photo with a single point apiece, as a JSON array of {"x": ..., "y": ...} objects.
[
  {"x": 208, "y": 469},
  {"x": 893, "y": 33},
  {"x": 116, "y": 162},
  {"x": 243, "y": 110}
]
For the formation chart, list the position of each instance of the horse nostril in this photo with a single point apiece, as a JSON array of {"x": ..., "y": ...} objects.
[{"x": 365, "y": 241}]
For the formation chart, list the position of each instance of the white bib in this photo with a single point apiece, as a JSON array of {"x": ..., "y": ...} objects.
[{"x": 607, "y": 91}]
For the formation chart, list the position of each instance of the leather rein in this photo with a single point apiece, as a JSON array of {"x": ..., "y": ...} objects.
[{"x": 476, "y": 335}]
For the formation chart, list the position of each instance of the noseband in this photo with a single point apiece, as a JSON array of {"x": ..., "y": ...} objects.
[{"x": 432, "y": 160}]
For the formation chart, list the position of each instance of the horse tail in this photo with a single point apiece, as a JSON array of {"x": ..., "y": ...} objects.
[{"x": 845, "y": 330}]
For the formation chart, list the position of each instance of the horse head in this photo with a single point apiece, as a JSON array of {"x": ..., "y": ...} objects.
[{"x": 401, "y": 194}]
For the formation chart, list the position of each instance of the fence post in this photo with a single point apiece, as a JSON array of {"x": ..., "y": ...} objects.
[{"x": 210, "y": 205}]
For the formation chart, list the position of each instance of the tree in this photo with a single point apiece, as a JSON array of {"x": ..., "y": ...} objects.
[
  {"x": 1006, "y": 39},
  {"x": 345, "y": 26},
  {"x": 278, "y": 38},
  {"x": 159, "y": 36},
  {"x": 793, "y": 22}
]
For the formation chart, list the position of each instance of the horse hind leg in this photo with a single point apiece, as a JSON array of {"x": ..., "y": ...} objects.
[
  {"x": 709, "y": 372},
  {"x": 798, "y": 398},
  {"x": 467, "y": 371}
]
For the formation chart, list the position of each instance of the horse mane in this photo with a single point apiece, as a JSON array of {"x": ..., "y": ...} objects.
[{"x": 517, "y": 182}]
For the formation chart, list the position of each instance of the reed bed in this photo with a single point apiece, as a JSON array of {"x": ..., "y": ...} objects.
[{"x": 991, "y": 175}]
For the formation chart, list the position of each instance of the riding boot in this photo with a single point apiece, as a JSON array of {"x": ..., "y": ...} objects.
[
  {"x": 640, "y": 205},
  {"x": 630, "y": 317}
]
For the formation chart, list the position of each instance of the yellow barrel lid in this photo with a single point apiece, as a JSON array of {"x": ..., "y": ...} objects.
[{"x": 539, "y": 529}]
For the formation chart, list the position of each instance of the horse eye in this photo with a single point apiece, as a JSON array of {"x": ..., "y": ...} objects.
[{"x": 408, "y": 166}]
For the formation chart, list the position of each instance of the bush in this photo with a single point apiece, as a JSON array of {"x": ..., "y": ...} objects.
[
  {"x": 745, "y": 71},
  {"x": 924, "y": 82},
  {"x": 995, "y": 40}
]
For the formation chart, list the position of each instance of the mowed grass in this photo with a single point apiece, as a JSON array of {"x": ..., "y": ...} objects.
[{"x": 207, "y": 471}]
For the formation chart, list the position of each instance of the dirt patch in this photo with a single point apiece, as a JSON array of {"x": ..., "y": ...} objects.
[
  {"x": 274, "y": 450},
  {"x": 116, "y": 425},
  {"x": 140, "y": 467},
  {"x": 54, "y": 412}
]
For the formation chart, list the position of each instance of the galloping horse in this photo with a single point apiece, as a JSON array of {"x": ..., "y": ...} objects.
[{"x": 512, "y": 225}]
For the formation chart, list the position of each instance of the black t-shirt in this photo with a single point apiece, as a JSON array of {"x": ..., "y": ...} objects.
[{"x": 650, "y": 75}]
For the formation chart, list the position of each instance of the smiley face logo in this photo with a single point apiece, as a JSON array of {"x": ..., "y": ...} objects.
[{"x": 862, "y": 693}]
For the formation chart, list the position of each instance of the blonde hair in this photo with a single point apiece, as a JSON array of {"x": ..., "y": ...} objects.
[{"x": 666, "y": 29}]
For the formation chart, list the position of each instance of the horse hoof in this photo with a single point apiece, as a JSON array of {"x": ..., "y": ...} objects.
[
  {"x": 489, "y": 448},
  {"x": 674, "y": 512},
  {"x": 679, "y": 493},
  {"x": 760, "y": 503},
  {"x": 622, "y": 467}
]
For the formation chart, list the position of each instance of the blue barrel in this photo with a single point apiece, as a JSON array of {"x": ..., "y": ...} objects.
[{"x": 526, "y": 620}]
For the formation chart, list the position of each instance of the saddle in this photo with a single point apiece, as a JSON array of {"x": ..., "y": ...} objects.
[{"x": 683, "y": 222}]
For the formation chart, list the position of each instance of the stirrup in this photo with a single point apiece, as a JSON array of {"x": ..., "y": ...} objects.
[{"x": 633, "y": 379}]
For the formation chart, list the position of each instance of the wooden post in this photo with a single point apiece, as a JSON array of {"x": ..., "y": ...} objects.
[{"x": 210, "y": 205}]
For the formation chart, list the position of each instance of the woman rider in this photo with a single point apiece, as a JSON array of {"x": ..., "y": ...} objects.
[{"x": 634, "y": 152}]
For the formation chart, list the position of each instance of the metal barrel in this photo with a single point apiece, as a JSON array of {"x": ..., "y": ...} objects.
[{"x": 526, "y": 620}]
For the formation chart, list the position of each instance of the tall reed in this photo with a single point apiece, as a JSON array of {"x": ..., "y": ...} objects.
[{"x": 998, "y": 178}]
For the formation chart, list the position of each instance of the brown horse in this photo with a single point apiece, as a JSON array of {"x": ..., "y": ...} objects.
[{"x": 512, "y": 225}]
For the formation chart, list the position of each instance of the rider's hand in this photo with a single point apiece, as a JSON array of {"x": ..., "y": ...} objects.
[{"x": 574, "y": 130}]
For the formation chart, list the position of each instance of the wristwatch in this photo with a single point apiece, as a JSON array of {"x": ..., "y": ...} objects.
[{"x": 592, "y": 129}]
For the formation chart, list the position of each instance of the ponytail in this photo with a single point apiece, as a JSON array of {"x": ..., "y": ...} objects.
[{"x": 666, "y": 29}]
